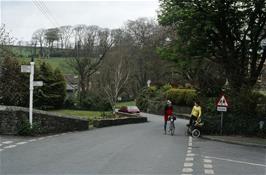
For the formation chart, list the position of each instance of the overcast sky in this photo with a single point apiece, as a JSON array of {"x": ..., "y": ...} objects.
[{"x": 22, "y": 18}]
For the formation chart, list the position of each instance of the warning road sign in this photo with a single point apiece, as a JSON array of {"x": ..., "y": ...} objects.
[{"x": 222, "y": 102}]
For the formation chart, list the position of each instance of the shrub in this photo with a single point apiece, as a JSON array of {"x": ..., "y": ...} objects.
[
  {"x": 24, "y": 129},
  {"x": 166, "y": 87},
  {"x": 71, "y": 102},
  {"x": 181, "y": 97},
  {"x": 95, "y": 102}
]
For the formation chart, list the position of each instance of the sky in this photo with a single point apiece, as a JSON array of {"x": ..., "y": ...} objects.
[{"x": 22, "y": 18}]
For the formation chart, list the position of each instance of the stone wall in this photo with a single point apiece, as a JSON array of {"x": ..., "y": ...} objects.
[
  {"x": 11, "y": 117},
  {"x": 119, "y": 121}
]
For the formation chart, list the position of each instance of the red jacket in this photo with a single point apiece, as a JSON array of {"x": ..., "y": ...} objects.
[{"x": 168, "y": 111}]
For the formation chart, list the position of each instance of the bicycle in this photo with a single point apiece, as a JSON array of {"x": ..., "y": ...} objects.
[
  {"x": 194, "y": 129},
  {"x": 171, "y": 129}
]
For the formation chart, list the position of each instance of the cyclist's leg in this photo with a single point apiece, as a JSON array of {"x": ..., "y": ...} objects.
[{"x": 165, "y": 125}]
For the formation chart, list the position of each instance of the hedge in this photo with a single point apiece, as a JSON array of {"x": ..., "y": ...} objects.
[{"x": 181, "y": 97}]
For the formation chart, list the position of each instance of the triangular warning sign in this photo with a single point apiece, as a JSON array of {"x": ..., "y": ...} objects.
[{"x": 222, "y": 102}]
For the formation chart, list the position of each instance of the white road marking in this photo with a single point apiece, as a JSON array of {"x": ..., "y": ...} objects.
[
  {"x": 49, "y": 136},
  {"x": 208, "y": 166},
  {"x": 188, "y": 164},
  {"x": 188, "y": 151},
  {"x": 236, "y": 161},
  {"x": 21, "y": 143},
  {"x": 207, "y": 161},
  {"x": 0, "y": 144},
  {"x": 208, "y": 171},
  {"x": 32, "y": 140},
  {"x": 1, "y": 150},
  {"x": 189, "y": 147},
  {"x": 190, "y": 155},
  {"x": 187, "y": 170},
  {"x": 190, "y": 144},
  {"x": 7, "y": 142},
  {"x": 41, "y": 138},
  {"x": 10, "y": 146},
  {"x": 189, "y": 159}
]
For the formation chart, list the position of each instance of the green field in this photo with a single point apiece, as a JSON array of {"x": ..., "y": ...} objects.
[{"x": 55, "y": 62}]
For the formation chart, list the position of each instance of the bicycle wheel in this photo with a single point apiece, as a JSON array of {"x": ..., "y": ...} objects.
[
  {"x": 195, "y": 133},
  {"x": 172, "y": 131}
]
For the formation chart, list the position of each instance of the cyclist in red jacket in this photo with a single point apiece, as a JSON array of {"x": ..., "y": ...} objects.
[{"x": 168, "y": 110}]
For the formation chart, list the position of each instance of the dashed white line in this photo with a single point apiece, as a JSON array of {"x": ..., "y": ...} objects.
[
  {"x": 207, "y": 161},
  {"x": 208, "y": 171},
  {"x": 41, "y": 138},
  {"x": 10, "y": 146},
  {"x": 189, "y": 148},
  {"x": 187, "y": 170},
  {"x": 21, "y": 143},
  {"x": 189, "y": 151},
  {"x": 0, "y": 144},
  {"x": 32, "y": 140},
  {"x": 208, "y": 166},
  {"x": 188, "y": 164},
  {"x": 7, "y": 142},
  {"x": 190, "y": 155},
  {"x": 189, "y": 159},
  {"x": 1, "y": 150}
]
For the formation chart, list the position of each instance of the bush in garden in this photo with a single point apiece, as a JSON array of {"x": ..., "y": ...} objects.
[
  {"x": 24, "y": 128},
  {"x": 95, "y": 102},
  {"x": 181, "y": 97}
]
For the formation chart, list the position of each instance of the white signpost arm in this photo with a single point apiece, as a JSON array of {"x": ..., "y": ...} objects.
[{"x": 31, "y": 91}]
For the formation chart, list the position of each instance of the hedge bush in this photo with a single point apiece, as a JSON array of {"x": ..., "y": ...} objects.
[
  {"x": 153, "y": 99},
  {"x": 25, "y": 129},
  {"x": 181, "y": 97}
]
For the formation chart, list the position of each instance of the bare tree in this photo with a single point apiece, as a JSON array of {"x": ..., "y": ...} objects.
[
  {"x": 147, "y": 36},
  {"x": 115, "y": 78},
  {"x": 65, "y": 33},
  {"x": 91, "y": 49},
  {"x": 38, "y": 37}
]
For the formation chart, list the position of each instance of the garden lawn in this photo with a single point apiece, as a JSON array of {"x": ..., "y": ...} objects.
[{"x": 90, "y": 115}]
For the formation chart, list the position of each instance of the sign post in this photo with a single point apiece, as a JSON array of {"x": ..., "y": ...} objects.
[
  {"x": 31, "y": 91},
  {"x": 222, "y": 107},
  {"x": 30, "y": 69}
]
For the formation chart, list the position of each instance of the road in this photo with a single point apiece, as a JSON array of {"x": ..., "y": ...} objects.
[{"x": 128, "y": 149}]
